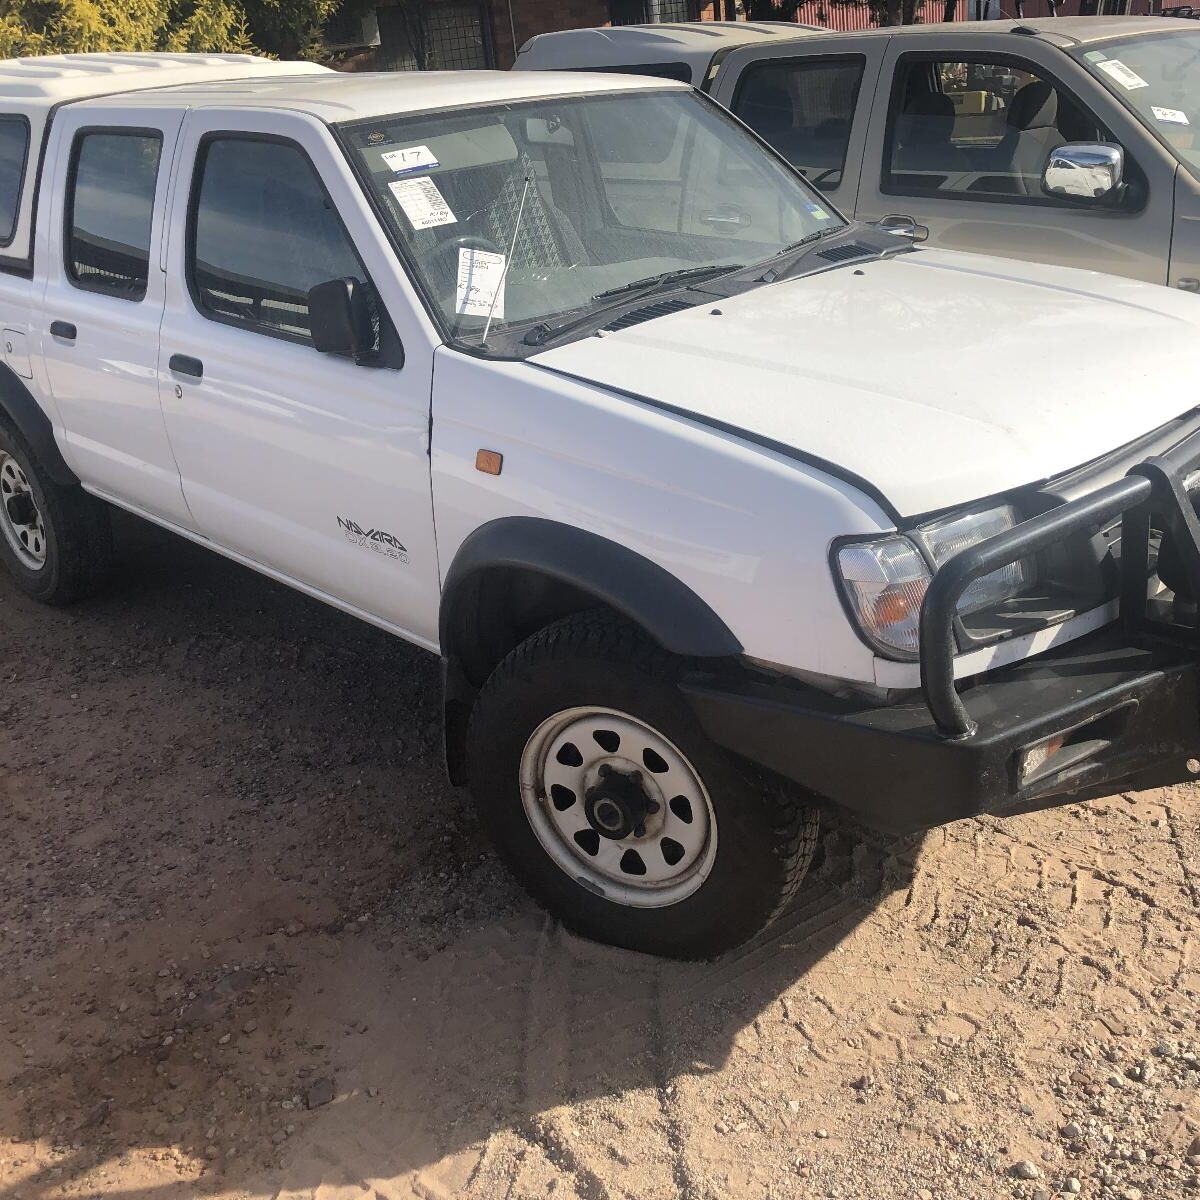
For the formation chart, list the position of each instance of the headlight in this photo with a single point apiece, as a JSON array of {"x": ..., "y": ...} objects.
[{"x": 885, "y": 580}]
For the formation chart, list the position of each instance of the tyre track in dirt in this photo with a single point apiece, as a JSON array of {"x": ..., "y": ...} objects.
[{"x": 231, "y": 869}]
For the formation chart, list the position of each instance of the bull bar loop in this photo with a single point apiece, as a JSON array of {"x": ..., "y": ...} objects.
[{"x": 1156, "y": 485}]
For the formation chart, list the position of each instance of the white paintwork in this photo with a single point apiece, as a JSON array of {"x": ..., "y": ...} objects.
[
  {"x": 746, "y": 529},
  {"x": 939, "y": 377},
  {"x": 276, "y": 441},
  {"x": 105, "y": 383},
  {"x": 889, "y": 372},
  {"x": 693, "y": 43},
  {"x": 31, "y": 87}
]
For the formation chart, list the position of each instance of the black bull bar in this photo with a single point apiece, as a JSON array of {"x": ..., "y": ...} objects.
[{"x": 1157, "y": 490}]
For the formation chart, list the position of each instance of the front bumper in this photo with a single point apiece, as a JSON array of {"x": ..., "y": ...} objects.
[
  {"x": 1132, "y": 717},
  {"x": 1124, "y": 701}
]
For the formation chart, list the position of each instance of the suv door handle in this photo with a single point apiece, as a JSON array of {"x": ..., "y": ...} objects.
[
  {"x": 64, "y": 330},
  {"x": 183, "y": 364}
]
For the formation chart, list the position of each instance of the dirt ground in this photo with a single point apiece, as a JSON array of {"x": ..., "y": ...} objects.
[{"x": 253, "y": 945}]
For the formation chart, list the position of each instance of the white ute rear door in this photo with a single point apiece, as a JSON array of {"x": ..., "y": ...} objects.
[
  {"x": 304, "y": 463},
  {"x": 99, "y": 231}
]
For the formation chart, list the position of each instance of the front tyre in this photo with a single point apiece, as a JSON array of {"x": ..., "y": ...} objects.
[
  {"x": 613, "y": 807},
  {"x": 55, "y": 540}
]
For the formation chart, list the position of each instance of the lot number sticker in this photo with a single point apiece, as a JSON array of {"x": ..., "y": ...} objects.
[
  {"x": 412, "y": 158},
  {"x": 1114, "y": 68},
  {"x": 1172, "y": 116},
  {"x": 423, "y": 205},
  {"x": 480, "y": 282}
]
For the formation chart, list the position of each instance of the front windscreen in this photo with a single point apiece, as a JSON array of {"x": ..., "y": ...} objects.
[
  {"x": 1158, "y": 77},
  {"x": 517, "y": 214}
]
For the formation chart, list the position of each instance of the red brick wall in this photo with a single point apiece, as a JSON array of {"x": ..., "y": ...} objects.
[{"x": 539, "y": 16}]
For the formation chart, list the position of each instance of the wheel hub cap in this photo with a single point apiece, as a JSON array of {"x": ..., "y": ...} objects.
[
  {"x": 20, "y": 521},
  {"x": 618, "y": 807}
]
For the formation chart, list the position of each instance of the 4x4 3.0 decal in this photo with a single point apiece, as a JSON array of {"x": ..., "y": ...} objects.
[{"x": 373, "y": 539}]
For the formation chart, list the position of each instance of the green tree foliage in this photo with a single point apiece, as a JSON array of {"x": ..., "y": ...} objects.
[
  {"x": 67, "y": 26},
  {"x": 287, "y": 28}
]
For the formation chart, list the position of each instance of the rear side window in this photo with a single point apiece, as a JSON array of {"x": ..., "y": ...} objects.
[
  {"x": 263, "y": 233},
  {"x": 14, "y": 150},
  {"x": 110, "y": 208},
  {"x": 804, "y": 109}
]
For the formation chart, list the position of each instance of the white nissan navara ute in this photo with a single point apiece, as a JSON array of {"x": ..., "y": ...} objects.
[{"x": 716, "y": 514}]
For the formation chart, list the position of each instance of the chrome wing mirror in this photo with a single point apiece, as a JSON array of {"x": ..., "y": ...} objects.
[{"x": 1084, "y": 171}]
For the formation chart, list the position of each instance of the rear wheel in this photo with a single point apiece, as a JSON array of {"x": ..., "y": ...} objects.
[
  {"x": 613, "y": 806},
  {"x": 55, "y": 540}
]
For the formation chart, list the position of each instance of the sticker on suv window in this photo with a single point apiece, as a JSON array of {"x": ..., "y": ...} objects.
[
  {"x": 1172, "y": 116},
  {"x": 1114, "y": 68},
  {"x": 423, "y": 205},
  {"x": 480, "y": 283},
  {"x": 411, "y": 158}
]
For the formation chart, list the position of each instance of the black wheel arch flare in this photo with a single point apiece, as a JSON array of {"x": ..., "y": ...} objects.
[
  {"x": 516, "y": 574},
  {"x": 26, "y": 416}
]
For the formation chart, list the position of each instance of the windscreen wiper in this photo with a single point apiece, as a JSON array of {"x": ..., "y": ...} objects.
[
  {"x": 653, "y": 282},
  {"x": 775, "y": 272},
  {"x": 627, "y": 293}
]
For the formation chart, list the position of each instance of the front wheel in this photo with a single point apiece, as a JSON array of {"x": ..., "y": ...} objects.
[{"x": 615, "y": 809}]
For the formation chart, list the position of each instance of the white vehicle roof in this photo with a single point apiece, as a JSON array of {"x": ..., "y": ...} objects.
[
  {"x": 31, "y": 87},
  {"x": 692, "y": 43},
  {"x": 335, "y": 97},
  {"x": 54, "y": 78}
]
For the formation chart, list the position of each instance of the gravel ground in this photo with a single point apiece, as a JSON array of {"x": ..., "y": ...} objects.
[{"x": 253, "y": 945}]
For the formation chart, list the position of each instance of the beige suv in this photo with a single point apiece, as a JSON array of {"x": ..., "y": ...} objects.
[{"x": 1070, "y": 141}]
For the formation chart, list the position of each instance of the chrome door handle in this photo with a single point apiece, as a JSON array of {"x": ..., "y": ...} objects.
[{"x": 1188, "y": 285}]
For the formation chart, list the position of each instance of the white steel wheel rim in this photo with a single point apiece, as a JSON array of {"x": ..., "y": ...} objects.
[
  {"x": 587, "y": 775},
  {"x": 24, "y": 532}
]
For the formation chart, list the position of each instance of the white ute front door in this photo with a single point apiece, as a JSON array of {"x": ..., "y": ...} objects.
[
  {"x": 99, "y": 237},
  {"x": 305, "y": 463}
]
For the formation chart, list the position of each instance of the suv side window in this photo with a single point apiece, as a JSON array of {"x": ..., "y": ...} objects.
[
  {"x": 263, "y": 231},
  {"x": 804, "y": 108},
  {"x": 14, "y": 150},
  {"x": 110, "y": 210},
  {"x": 979, "y": 128}
]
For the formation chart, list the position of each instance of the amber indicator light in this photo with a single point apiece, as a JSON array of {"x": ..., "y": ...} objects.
[{"x": 489, "y": 462}]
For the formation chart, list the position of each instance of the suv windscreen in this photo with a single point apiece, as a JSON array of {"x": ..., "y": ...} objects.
[
  {"x": 1158, "y": 77},
  {"x": 609, "y": 190}
]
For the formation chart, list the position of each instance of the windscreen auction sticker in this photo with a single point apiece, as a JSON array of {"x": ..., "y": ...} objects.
[
  {"x": 480, "y": 283},
  {"x": 1114, "y": 68},
  {"x": 1171, "y": 116},
  {"x": 411, "y": 158},
  {"x": 423, "y": 205}
]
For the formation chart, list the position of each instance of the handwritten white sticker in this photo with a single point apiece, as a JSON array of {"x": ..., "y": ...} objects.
[
  {"x": 1172, "y": 116},
  {"x": 411, "y": 158},
  {"x": 423, "y": 205},
  {"x": 1114, "y": 68},
  {"x": 480, "y": 283}
]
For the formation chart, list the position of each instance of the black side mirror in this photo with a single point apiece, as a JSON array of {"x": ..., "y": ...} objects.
[{"x": 339, "y": 318}]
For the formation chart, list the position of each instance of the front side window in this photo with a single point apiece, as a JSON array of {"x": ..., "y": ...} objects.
[
  {"x": 977, "y": 129},
  {"x": 110, "y": 210},
  {"x": 804, "y": 109},
  {"x": 1156, "y": 76},
  {"x": 519, "y": 213},
  {"x": 14, "y": 150},
  {"x": 263, "y": 234}
]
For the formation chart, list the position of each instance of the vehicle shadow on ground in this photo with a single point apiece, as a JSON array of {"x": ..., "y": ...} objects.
[{"x": 261, "y": 882}]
